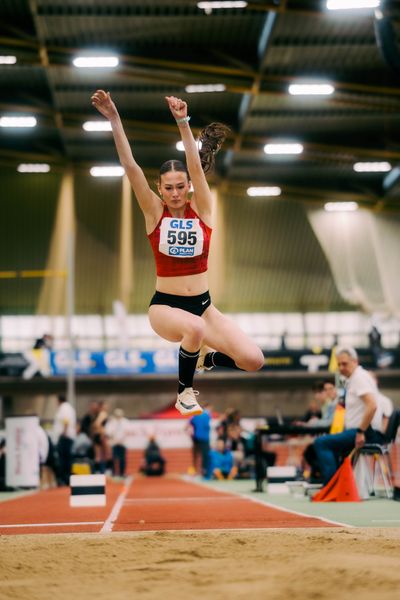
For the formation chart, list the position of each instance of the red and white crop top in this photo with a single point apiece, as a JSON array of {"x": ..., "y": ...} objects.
[{"x": 180, "y": 245}]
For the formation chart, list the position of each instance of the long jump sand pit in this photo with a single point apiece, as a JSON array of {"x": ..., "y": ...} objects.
[{"x": 275, "y": 564}]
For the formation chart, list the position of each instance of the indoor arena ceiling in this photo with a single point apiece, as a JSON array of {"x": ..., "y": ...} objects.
[{"x": 254, "y": 52}]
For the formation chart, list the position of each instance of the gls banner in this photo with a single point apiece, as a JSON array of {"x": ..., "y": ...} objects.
[
  {"x": 116, "y": 362},
  {"x": 165, "y": 361}
]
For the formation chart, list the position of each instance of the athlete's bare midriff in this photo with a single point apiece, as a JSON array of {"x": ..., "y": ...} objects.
[{"x": 184, "y": 285}]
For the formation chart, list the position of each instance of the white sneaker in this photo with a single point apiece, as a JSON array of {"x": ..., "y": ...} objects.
[
  {"x": 204, "y": 350},
  {"x": 187, "y": 404}
]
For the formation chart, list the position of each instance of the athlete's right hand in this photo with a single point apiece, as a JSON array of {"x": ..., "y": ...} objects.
[{"x": 102, "y": 101}]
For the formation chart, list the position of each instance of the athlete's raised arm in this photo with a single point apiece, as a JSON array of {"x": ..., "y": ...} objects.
[
  {"x": 198, "y": 162},
  {"x": 148, "y": 201}
]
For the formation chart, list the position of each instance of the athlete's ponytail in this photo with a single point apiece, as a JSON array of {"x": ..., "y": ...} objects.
[{"x": 211, "y": 137}]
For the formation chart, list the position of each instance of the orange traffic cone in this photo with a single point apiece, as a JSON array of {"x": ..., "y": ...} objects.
[{"x": 341, "y": 488}]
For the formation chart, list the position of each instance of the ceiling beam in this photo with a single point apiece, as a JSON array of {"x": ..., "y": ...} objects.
[
  {"x": 313, "y": 196},
  {"x": 45, "y": 63},
  {"x": 251, "y": 145},
  {"x": 183, "y": 69},
  {"x": 248, "y": 98},
  {"x": 338, "y": 152}
]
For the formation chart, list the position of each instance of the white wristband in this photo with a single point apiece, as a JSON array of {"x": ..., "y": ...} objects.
[{"x": 183, "y": 120}]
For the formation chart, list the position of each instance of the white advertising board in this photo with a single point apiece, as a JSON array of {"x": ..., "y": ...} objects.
[
  {"x": 170, "y": 433},
  {"x": 22, "y": 463}
]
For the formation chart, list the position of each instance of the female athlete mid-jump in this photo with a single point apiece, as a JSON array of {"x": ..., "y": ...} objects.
[{"x": 179, "y": 230}]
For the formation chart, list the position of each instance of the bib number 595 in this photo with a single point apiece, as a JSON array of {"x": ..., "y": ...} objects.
[{"x": 181, "y": 238}]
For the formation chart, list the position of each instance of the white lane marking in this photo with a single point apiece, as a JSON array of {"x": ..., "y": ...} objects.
[
  {"x": 51, "y": 524},
  {"x": 109, "y": 522},
  {"x": 297, "y": 512},
  {"x": 180, "y": 499},
  {"x": 385, "y": 520},
  {"x": 288, "y": 510}
]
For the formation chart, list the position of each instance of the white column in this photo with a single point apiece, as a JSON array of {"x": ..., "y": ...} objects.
[
  {"x": 125, "y": 247},
  {"x": 217, "y": 258}
]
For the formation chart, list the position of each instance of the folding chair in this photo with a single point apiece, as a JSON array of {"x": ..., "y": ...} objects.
[{"x": 376, "y": 459}]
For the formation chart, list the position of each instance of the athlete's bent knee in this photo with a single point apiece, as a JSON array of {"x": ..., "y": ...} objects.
[
  {"x": 196, "y": 330},
  {"x": 252, "y": 362}
]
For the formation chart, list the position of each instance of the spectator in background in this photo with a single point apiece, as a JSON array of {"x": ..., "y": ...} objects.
[
  {"x": 3, "y": 486},
  {"x": 47, "y": 342},
  {"x": 264, "y": 458},
  {"x": 47, "y": 460},
  {"x": 230, "y": 416},
  {"x": 363, "y": 419},
  {"x": 39, "y": 358},
  {"x": 327, "y": 410},
  {"x": 89, "y": 418},
  {"x": 235, "y": 444},
  {"x": 102, "y": 448},
  {"x": 200, "y": 426},
  {"x": 283, "y": 346},
  {"x": 222, "y": 426},
  {"x": 221, "y": 462},
  {"x": 313, "y": 411},
  {"x": 64, "y": 432},
  {"x": 331, "y": 401},
  {"x": 154, "y": 462},
  {"x": 230, "y": 430},
  {"x": 117, "y": 431},
  {"x": 82, "y": 448},
  {"x": 375, "y": 343}
]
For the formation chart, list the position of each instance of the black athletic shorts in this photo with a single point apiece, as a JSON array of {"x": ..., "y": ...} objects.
[{"x": 193, "y": 304}]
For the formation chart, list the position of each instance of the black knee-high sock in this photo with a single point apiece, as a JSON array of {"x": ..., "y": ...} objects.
[
  {"x": 217, "y": 359},
  {"x": 187, "y": 367}
]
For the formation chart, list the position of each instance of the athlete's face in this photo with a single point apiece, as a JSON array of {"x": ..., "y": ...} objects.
[{"x": 174, "y": 188}]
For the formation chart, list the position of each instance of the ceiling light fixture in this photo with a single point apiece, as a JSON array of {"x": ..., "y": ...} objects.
[
  {"x": 208, "y": 7},
  {"x": 341, "y": 206},
  {"x": 212, "y": 87},
  {"x": 352, "y": 4},
  {"x": 283, "y": 148},
  {"x": 97, "y": 126},
  {"x": 179, "y": 145},
  {"x": 372, "y": 167},
  {"x": 8, "y": 60},
  {"x": 107, "y": 171},
  {"x": 21, "y": 121},
  {"x": 33, "y": 168},
  {"x": 311, "y": 89},
  {"x": 264, "y": 191},
  {"x": 96, "y": 62}
]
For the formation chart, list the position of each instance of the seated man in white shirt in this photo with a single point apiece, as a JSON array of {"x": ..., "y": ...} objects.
[{"x": 363, "y": 420}]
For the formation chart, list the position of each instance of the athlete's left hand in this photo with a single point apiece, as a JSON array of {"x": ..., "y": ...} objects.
[{"x": 177, "y": 106}]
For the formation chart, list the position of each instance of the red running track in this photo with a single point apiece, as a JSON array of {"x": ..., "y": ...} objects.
[
  {"x": 172, "y": 504},
  {"x": 49, "y": 512},
  {"x": 146, "y": 504}
]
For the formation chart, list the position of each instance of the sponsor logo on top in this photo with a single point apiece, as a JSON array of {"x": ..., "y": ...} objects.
[{"x": 181, "y": 251}]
